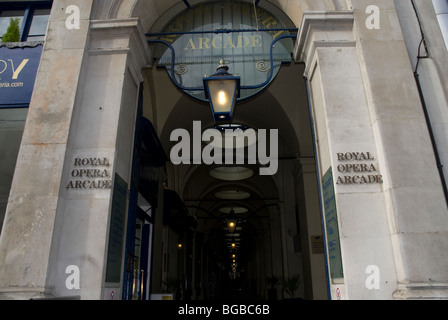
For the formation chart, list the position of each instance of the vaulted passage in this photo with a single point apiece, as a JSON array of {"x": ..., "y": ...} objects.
[
  {"x": 278, "y": 223},
  {"x": 239, "y": 213}
]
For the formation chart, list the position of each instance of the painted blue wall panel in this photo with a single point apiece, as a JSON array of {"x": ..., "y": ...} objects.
[{"x": 18, "y": 69}]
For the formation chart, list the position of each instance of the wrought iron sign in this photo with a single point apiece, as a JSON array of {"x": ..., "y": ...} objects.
[{"x": 253, "y": 42}]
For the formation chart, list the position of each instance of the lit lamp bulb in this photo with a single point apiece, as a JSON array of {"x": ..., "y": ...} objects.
[
  {"x": 233, "y": 245},
  {"x": 231, "y": 221},
  {"x": 231, "y": 225},
  {"x": 222, "y": 98}
]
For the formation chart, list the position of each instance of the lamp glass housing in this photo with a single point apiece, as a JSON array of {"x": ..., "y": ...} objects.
[{"x": 222, "y": 90}]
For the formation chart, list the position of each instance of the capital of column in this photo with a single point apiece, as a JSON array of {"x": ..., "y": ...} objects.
[
  {"x": 123, "y": 36},
  {"x": 323, "y": 29}
]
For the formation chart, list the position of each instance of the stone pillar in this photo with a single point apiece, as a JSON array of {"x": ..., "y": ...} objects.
[
  {"x": 29, "y": 222},
  {"x": 415, "y": 203},
  {"x": 342, "y": 123},
  {"x": 102, "y": 128},
  {"x": 393, "y": 229},
  {"x": 82, "y": 117}
]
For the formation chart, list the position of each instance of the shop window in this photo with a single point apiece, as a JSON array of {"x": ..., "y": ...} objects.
[{"x": 33, "y": 18}]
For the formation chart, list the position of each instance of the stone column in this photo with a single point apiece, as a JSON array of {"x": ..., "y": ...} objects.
[
  {"x": 365, "y": 100},
  {"x": 28, "y": 227},
  {"x": 327, "y": 45},
  {"x": 79, "y": 134},
  {"x": 102, "y": 128},
  {"x": 415, "y": 203}
]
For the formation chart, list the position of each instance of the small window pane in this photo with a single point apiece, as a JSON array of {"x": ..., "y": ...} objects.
[{"x": 39, "y": 25}]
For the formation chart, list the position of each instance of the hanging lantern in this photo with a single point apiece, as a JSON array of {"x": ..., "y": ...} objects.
[{"x": 222, "y": 89}]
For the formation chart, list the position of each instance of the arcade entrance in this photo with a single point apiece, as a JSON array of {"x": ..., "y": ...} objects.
[
  {"x": 224, "y": 228},
  {"x": 276, "y": 247}
]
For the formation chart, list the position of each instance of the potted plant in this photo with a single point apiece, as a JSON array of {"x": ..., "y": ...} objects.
[
  {"x": 272, "y": 290},
  {"x": 13, "y": 32},
  {"x": 291, "y": 284}
]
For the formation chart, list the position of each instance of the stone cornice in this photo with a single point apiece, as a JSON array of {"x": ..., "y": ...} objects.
[
  {"x": 323, "y": 29},
  {"x": 120, "y": 36}
]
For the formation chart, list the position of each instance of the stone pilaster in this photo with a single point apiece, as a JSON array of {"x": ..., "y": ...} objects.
[
  {"x": 342, "y": 123},
  {"x": 28, "y": 227},
  {"x": 83, "y": 107},
  {"x": 417, "y": 212},
  {"x": 102, "y": 128},
  {"x": 365, "y": 99}
]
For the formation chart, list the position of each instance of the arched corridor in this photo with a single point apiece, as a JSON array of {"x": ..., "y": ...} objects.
[{"x": 276, "y": 214}]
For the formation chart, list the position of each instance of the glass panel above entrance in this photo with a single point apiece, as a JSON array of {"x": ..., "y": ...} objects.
[{"x": 250, "y": 39}]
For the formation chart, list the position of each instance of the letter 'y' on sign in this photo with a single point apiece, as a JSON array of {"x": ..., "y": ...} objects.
[{"x": 19, "y": 69}]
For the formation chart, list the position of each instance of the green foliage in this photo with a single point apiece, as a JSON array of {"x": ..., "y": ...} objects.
[{"x": 13, "y": 32}]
